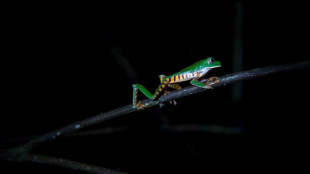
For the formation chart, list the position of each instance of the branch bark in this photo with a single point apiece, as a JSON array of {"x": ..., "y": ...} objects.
[
  {"x": 110, "y": 130},
  {"x": 60, "y": 162},
  {"x": 20, "y": 151},
  {"x": 223, "y": 80}
]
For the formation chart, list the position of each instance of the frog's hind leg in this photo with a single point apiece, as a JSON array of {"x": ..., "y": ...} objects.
[
  {"x": 135, "y": 102},
  {"x": 171, "y": 85},
  {"x": 175, "y": 86},
  {"x": 137, "y": 87}
]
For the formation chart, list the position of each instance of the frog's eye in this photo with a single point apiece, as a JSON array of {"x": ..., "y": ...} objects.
[{"x": 211, "y": 60}]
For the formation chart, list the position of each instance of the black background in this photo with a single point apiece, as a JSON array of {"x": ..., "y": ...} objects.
[{"x": 59, "y": 67}]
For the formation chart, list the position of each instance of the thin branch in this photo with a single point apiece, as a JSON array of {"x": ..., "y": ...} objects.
[
  {"x": 237, "y": 54},
  {"x": 60, "y": 162},
  {"x": 123, "y": 62},
  {"x": 110, "y": 130},
  {"x": 223, "y": 80},
  {"x": 22, "y": 151},
  {"x": 234, "y": 77},
  {"x": 19, "y": 140},
  {"x": 203, "y": 128},
  {"x": 74, "y": 127},
  {"x": 101, "y": 131}
]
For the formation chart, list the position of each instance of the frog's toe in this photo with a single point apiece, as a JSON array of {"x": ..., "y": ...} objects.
[
  {"x": 140, "y": 106},
  {"x": 207, "y": 86},
  {"x": 174, "y": 102}
]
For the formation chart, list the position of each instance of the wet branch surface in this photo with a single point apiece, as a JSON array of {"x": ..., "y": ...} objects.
[
  {"x": 22, "y": 153},
  {"x": 42, "y": 159}
]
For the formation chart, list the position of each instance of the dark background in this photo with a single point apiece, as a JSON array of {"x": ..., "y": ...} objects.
[{"x": 65, "y": 63}]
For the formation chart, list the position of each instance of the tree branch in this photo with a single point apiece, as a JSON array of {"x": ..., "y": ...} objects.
[
  {"x": 19, "y": 152},
  {"x": 234, "y": 77},
  {"x": 203, "y": 128},
  {"x": 223, "y": 80},
  {"x": 217, "y": 129},
  {"x": 60, "y": 162},
  {"x": 101, "y": 131}
]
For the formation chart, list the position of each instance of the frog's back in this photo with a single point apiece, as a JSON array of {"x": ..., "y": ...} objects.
[
  {"x": 190, "y": 69},
  {"x": 186, "y": 74}
]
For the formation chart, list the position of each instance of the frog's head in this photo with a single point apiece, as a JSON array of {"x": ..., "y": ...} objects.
[{"x": 211, "y": 63}]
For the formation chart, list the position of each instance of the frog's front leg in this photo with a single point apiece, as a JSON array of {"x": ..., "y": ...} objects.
[
  {"x": 212, "y": 79},
  {"x": 206, "y": 85}
]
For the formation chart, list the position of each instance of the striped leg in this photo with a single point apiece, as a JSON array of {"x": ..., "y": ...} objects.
[
  {"x": 136, "y": 87},
  {"x": 162, "y": 86},
  {"x": 175, "y": 86},
  {"x": 135, "y": 103},
  {"x": 162, "y": 78}
]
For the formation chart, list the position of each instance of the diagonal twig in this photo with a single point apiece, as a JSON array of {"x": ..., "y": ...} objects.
[
  {"x": 22, "y": 151},
  {"x": 43, "y": 159},
  {"x": 223, "y": 80},
  {"x": 203, "y": 128},
  {"x": 110, "y": 130}
]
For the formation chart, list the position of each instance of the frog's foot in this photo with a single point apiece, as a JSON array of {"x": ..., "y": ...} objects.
[
  {"x": 171, "y": 101},
  {"x": 213, "y": 80},
  {"x": 140, "y": 106}
]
